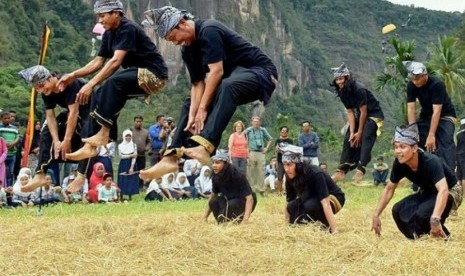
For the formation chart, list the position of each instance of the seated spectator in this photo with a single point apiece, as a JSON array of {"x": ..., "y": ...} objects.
[
  {"x": 203, "y": 183},
  {"x": 74, "y": 197},
  {"x": 324, "y": 167},
  {"x": 192, "y": 168},
  {"x": 22, "y": 197},
  {"x": 107, "y": 193},
  {"x": 95, "y": 181},
  {"x": 380, "y": 171},
  {"x": 6, "y": 198},
  {"x": 184, "y": 184},
  {"x": 271, "y": 174},
  {"x": 3, "y": 198},
  {"x": 46, "y": 194},
  {"x": 27, "y": 171},
  {"x": 156, "y": 191},
  {"x": 169, "y": 182}
]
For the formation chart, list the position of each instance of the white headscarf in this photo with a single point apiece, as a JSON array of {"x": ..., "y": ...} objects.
[
  {"x": 17, "y": 186},
  {"x": 204, "y": 183},
  {"x": 127, "y": 147},
  {"x": 185, "y": 183},
  {"x": 26, "y": 171},
  {"x": 165, "y": 183}
]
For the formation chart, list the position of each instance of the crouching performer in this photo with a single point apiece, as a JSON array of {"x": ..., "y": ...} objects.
[
  {"x": 311, "y": 194},
  {"x": 232, "y": 198},
  {"x": 427, "y": 210},
  {"x": 61, "y": 133}
]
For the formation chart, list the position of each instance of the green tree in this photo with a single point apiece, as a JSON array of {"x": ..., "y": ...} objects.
[
  {"x": 447, "y": 62},
  {"x": 395, "y": 75}
]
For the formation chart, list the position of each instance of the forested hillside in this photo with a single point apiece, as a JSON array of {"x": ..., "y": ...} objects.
[{"x": 304, "y": 38}]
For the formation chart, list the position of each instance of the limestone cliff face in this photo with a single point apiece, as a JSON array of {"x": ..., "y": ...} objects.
[{"x": 240, "y": 15}]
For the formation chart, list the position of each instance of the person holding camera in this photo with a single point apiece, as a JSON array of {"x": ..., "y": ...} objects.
[
  {"x": 259, "y": 141},
  {"x": 157, "y": 139}
]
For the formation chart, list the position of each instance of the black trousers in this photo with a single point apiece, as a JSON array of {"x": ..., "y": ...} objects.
[
  {"x": 114, "y": 93},
  {"x": 309, "y": 210},
  {"x": 352, "y": 158},
  {"x": 46, "y": 150},
  {"x": 444, "y": 139},
  {"x": 225, "y": 210},
  {"x": 412, "y": 214},
  {"x": 239, "y": 88},
  {"x": 155, "y": 196}
]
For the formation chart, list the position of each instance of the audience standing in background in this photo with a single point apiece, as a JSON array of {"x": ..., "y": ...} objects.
[
  {"x": 10, "y": 134},
  {"x": 259, "y": 141},
  {"x": 157, "y": 141},
  {"x": 140, "y": 136},
  {"x": 310, "y": 142},
  {"x": 282, "y": 141},
  {"x": 238, "y": 147},
  {"x": 128, "y": 180}
]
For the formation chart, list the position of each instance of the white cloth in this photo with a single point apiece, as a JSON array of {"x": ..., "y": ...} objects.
[
  {"x": 153, "y": 186},
  {"x": 192, "y": 167},
  {"x": 203, "y": 183},
  {"x": 184, "y": 184},
  {"x": 127, "y": 148}
]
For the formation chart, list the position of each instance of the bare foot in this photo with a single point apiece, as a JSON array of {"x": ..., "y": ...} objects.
[
  {"x": 99, "y": 139},
  {"x": 166, "y": 165},
  {"x": 358, "y": 176},
  {"x": 87, "y": 151},
  {"x": 199, "y": 153},
  {"x": 338, "y": 176},
  {"x": 76, "y": 185},
  {"x": 36, "y": 182}
]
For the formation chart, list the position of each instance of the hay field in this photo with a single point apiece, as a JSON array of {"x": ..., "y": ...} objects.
[{"x": 169, "y": 238}]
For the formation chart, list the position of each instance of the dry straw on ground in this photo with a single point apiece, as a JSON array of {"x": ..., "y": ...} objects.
[{"x": 170, "y": 239}]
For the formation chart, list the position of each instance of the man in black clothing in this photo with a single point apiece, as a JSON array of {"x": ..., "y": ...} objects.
[
  {"x": 436, "y": 122},
  {"x": 238, "y": 73},
  {"x": 62, "y": 133},
  {"x": 365, "y": 119},
  {"x": 427, "y": 210},
  {"x": 124, "y": 44},
  {"x": 282, "y": 141},
  {"x": 232, "y": 198}
]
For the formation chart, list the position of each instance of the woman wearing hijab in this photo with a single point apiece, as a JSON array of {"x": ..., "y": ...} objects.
[
  {"x": 311, "y": 194},
  {"x": 96, "y": 181},
  {"x": 184, "y": 184},
  {"x": 365, "y": 118},
  {"x": 128, "y": 180},
  {"x": 203, "y": 183}
]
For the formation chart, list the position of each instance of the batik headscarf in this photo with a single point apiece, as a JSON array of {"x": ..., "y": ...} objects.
[
  {"x": 407, "y": 135},
  {"x": 35, "y": 75},
  {"x": 292, "y": 154},
  {"x": 414, "y": 68},
  {"x": 102, "y": 6},
  {"x": 165, "y": 19},
  {"x": 340, "y": 71}
]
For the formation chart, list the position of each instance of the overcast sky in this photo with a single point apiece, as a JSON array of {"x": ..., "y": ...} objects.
[{"x": 442, "y": 5}]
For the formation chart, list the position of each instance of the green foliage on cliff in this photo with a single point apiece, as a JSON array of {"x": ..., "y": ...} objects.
[{"x": 317, "y": 35}]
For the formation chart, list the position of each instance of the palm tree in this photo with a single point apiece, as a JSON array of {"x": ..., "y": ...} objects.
[
  {"x": 394, "y": 76},
  {"x": 447, "y": 62}
]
